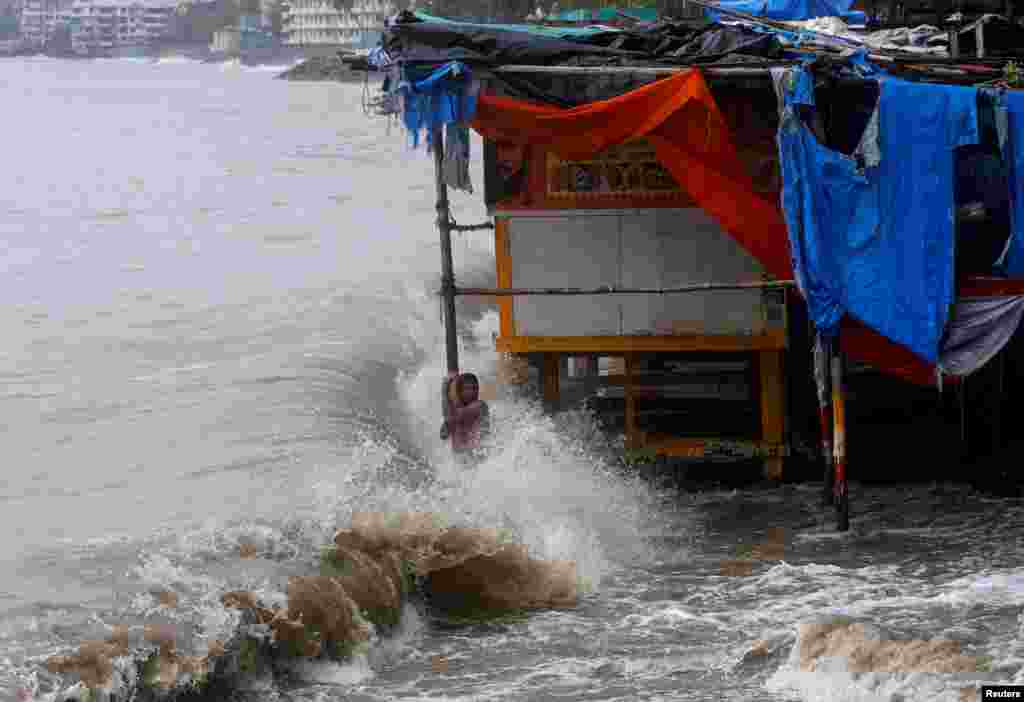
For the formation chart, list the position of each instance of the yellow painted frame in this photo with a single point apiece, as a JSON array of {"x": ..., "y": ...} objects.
[
  {"x": 503, "y": 260},
  {"x": 771, "y": 340},
  {"x": 768, "y": 345}
]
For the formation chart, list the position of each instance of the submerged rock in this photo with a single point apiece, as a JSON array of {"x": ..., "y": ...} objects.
[{"x": 860, "y": 648}]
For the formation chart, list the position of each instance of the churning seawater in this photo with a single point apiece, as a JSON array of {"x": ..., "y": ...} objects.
[{"x": 218, "y": 329}]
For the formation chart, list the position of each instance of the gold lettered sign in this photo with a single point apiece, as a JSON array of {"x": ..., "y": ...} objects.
[{"x": 626, "y": 171}]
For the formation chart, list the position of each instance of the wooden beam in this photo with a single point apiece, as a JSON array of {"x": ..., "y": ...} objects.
[
  {"x": 609, "y": 290},
  {"x": 773, "y": 410},
  {"x": 693, "y": 447},
  {"x": 503, "y": 261},
  {"x": 769, "y": 340},
  {"x": 990, "y": 287},
  {"x": 762, "y": 70}
]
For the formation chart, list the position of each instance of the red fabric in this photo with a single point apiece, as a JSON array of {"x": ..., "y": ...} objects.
[
  {"x": 679, "y": 117},
  {"x": 868, "y": 346}
]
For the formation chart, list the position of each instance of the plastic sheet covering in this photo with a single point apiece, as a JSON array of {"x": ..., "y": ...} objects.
[
  {"x": 448, "y": 95},
  {"x": 869, "y": 241},
  {"x": 789, "y": 9},
  {"x": 424, "y": 39},
  {"x": 456, "y": 158},
  {"x": 1010, "y": 116},
  {"x": 418, "y": 38},
  {"x": 978, "y": 330},
  {"x": 379, "y": 57},
  {"x": 923, "y": 39}
]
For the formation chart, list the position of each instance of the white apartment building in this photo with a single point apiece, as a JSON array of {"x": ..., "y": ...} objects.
[
  {"x": 106, "y": 26},
  {"x": 319, "y": 23},
  {"x": 40, "y": 18}
]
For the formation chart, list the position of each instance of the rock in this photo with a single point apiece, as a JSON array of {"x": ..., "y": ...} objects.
[
  {"x": 345, "y": 68},
  {"x": 323, "y": 607},
  {"x": 863, "y": 649},
  {"x": 365, "y": 578},
  {"x": 504, "y": 580},
  {"x": 759, "y": 649},
  {"x": 375, "y": 584},
  {"x": 736, "y": 568}
]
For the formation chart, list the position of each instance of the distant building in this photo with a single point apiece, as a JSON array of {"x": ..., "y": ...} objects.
[
  {"x": 9, "y": 26},
  {"x": 118, "y": 27},
  {"x": 196, "y": 21},
  {"x": 248, "y": 38},
  {"x": 319, "y": 23},
  {"x": 40, "y": 20}
]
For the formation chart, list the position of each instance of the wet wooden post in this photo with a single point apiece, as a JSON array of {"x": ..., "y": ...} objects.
[
  {"x": 773, "y": 414},
  {"x": 823, "y": 384},
  {"x": 632, "y": 439},
  {"x": 447, "y": 267},
  {"x": 840, "y": 490},
  {"x": 997, "y": 410},
  {"x": 551, "y": 370}
]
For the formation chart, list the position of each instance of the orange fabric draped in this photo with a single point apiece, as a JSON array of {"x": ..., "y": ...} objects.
[{"x": 678, "y": 115}]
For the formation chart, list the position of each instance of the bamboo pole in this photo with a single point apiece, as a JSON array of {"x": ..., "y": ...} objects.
[
  {"x": 447, "y": 267},
  {"x": 609, "y": 290},
  {"x": 632, "y": 435},
  {"x": 822, "y": 381},
  {"x": 551, "y": 368},
  {"x": 841, "y": 490}
]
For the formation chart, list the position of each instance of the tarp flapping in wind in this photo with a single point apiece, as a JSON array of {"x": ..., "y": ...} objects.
[{"x": 872, "y": 233}]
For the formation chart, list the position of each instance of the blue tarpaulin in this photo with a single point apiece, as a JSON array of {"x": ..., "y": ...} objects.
[
  {"x": 871, "y": 234},
  {"x": 792, "y": 9},
  {"x": 445, "y": 96},
  {"x": 1012, "y": 138}
]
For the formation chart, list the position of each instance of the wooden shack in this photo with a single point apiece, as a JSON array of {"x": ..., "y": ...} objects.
[{"x": 688, "y": 373}]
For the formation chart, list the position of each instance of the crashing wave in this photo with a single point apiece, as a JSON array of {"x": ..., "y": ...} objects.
[{"x": 369, "y": 574}]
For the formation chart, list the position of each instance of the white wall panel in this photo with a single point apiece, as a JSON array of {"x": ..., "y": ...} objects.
[
  {"x": 694, "y": 249},
  {"x": 642, "y": 267},
  {"x": 654, "y": 248},
  {"x": 557, "y": 252}
]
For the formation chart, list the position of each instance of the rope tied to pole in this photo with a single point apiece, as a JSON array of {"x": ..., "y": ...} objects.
[{"x": 610, "y": 290}]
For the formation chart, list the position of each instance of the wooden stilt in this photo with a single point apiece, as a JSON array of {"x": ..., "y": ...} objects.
[
  {"x": 823, "y": 383},
  {"x": 840, "y": 489},
  {"x": 632, "y": 437},
  {"x": 773, "y": 412},
  {"x": 997, "y": 409},
  {"x": 551, "y": 372}
]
